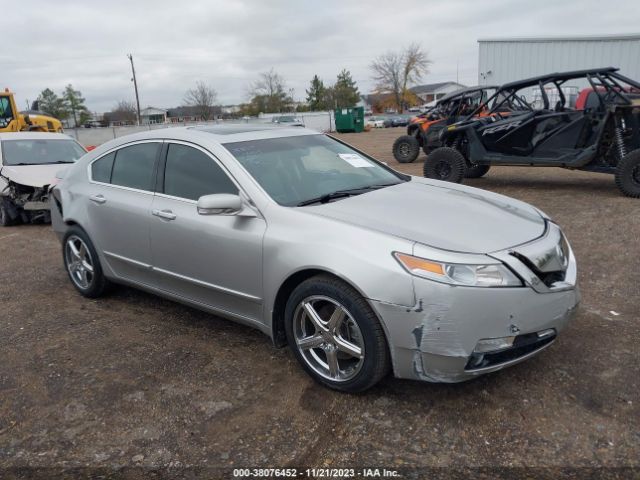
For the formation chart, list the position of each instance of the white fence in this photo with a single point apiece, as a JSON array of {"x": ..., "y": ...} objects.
[{"x": 320, "y": 121}]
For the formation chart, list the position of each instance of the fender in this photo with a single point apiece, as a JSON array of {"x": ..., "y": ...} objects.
[{"x": 456, "y": 128}]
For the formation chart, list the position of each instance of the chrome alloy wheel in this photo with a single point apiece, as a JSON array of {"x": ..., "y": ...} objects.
[
  {"x": 328, "y": 338},
  {"x": 79, "y": 262}
]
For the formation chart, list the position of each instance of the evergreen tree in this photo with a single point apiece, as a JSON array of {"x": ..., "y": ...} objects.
[
  {"x": 316, "y": 95},
  {"x": 345, "y": 91},
  {"x": 50, "y": 103},
  {"x": 75, "y": 104}
]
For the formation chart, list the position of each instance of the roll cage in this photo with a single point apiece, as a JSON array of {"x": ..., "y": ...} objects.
[
  {"x": 609, "y": 85},
  {"x": 451, "y": 104}
]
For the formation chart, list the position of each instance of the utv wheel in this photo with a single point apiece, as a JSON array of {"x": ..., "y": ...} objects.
[
  {"x": 335, "y": 335},
  {"x": 476, "y": 171},
  {"x": 5, "y": 217},
  {"x": 446, "y": 164},
  {"x": 82, "y": 264},
  {"x": 628, "y": 174},
  {"x": 406, "y": 149}
]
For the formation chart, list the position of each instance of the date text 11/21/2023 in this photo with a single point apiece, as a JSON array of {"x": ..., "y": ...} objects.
[{"x": 315, "y": 473}]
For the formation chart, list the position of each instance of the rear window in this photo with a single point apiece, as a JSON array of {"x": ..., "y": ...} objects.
[
  {"x": 101, "y": 168},
  {"x": 133, "y": 166}
]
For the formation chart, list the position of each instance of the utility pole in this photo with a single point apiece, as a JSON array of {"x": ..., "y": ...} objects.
[{"x": 135, "y": 85}]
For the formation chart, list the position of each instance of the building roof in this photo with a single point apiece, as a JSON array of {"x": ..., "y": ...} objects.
[
  {"x": 584, "y": 38},
  {"x": 184, "y": 111},
  {"x": 152, "y": 111},
  {"x": 432, "y": 87}
]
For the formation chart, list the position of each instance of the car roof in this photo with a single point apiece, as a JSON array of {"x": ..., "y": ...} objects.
[
  {"x": 244, "y": 132},
  {"x": 557, "y": 76},
  {"x": 219, "y": 134},
  {"x": 34, "y": 136}
]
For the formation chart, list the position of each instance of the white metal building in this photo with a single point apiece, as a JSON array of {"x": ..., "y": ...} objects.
[{"x": 503, "y": 60}]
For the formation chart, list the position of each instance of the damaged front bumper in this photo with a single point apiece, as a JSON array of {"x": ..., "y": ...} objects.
[
  {"x": 446, "y": 340},
  {"x": 455, "y": 333},
  {"x": 25, "y": 203}
]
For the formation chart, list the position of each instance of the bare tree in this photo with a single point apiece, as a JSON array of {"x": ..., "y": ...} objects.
[
  {"x": 124, "y": 112},
  {"x": 268, "y": 93},
  {"x": 394, "y": 72},
  {"x": 203, "y": 98}
]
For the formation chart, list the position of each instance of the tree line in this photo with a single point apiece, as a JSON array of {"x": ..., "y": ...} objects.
[
  {"x": 394, "y": 73},
  {"x": 68, "y": 105}
]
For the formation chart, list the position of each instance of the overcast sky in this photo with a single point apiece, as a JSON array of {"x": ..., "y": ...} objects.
[{"x": 226, "y": 43}]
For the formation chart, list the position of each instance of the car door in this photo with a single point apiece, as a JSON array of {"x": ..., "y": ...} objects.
[
  {"x": 214, "y": 260},
  {"x": 120, "y": 195}
]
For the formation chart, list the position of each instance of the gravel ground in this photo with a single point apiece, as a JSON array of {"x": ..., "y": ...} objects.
[{"x": 135, "y": 381}]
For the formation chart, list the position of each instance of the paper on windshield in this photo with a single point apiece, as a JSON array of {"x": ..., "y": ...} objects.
[{"x": 355, "y": 160}]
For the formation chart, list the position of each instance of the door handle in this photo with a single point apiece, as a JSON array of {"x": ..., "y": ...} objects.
[
  {"x": 166, "y": 214},
  {"x": 97, "y": 199}
]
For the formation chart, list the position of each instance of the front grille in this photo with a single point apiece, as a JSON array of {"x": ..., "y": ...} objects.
[
  {"x": 522, "y": 345},
  {"x": 547, "y": 257},
  {"x": 548, "y": 278}
]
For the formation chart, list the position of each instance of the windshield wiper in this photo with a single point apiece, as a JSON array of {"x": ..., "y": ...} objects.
[
  {"x": 325, "y": 198},
  {"x": 22, "y": 164},
  {"x": 342, "y": 194}
]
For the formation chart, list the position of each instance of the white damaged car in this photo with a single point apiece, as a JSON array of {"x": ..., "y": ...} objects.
[{"x": 29, "y": 162}]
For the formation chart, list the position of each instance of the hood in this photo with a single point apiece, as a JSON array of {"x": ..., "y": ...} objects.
[
  {"x": 441, "y": 215},
  {"x": 33, "y": 175}
]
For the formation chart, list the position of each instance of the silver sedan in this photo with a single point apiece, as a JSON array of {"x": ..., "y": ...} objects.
[{"x": 360, "y": 269}]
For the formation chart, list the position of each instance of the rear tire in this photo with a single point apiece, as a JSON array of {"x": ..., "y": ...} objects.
[
  {"x": 628, "y": 174},
  {"x": 476, "y": 171},
  {"x": 406, "y": 149},
  {"x": 82, "y": 264},
  {"x": 335, "y": 335},
  {"x": 446, "y": 164}
]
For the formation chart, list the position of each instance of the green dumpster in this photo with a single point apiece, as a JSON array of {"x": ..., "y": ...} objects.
[{"x": 349, "y": 119}]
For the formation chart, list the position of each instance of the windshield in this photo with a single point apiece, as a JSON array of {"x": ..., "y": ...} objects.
[
  {"x": 6, "y": 115},
  {"x": 40, "y": 151},
  {"x": 293, "y": 170}
]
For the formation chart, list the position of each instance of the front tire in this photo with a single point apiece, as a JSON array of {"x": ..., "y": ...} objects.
[
  {"x": 335, "y": 335},
  {"x": 628, "y": 174},
  {"x": 476, "y": 171},
  {"x": 445, "y": 164},
  {"x": 6, "y": 220},
  {"x": 406, "y": 149},
  {"x": 82, "y": 264}
]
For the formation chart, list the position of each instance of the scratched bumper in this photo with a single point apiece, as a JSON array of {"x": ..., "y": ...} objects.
[{"x": 434, "y": 341}]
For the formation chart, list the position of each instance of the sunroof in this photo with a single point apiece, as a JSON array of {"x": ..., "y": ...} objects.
[{"x": 230, "y": 130}]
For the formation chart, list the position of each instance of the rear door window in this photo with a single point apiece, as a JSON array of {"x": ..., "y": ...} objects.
[
  {"x": 191, "y": 173},
  {"x": 134, "y": 165},
  {"x": 101, "y": 168}
]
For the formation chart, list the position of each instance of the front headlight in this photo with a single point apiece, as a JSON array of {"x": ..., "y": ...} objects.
[{"x": 487, "y": 275}]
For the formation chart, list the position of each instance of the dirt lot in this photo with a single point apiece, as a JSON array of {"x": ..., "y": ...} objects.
[{"x": 134, "y": 380}]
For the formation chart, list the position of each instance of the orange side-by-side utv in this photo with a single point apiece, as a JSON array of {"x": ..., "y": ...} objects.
[{"x": 424, "y": 130}]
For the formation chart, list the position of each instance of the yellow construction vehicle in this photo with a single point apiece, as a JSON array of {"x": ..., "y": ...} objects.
[{"x": 11, "y": 120}]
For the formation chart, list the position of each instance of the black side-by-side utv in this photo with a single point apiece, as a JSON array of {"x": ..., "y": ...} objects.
[
  {"x": 604, "y": 137},
  {"x": 423, "y": 132}
]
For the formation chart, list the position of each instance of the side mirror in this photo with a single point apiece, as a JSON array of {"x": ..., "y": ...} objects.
[{"x": 220, "y": 204}]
